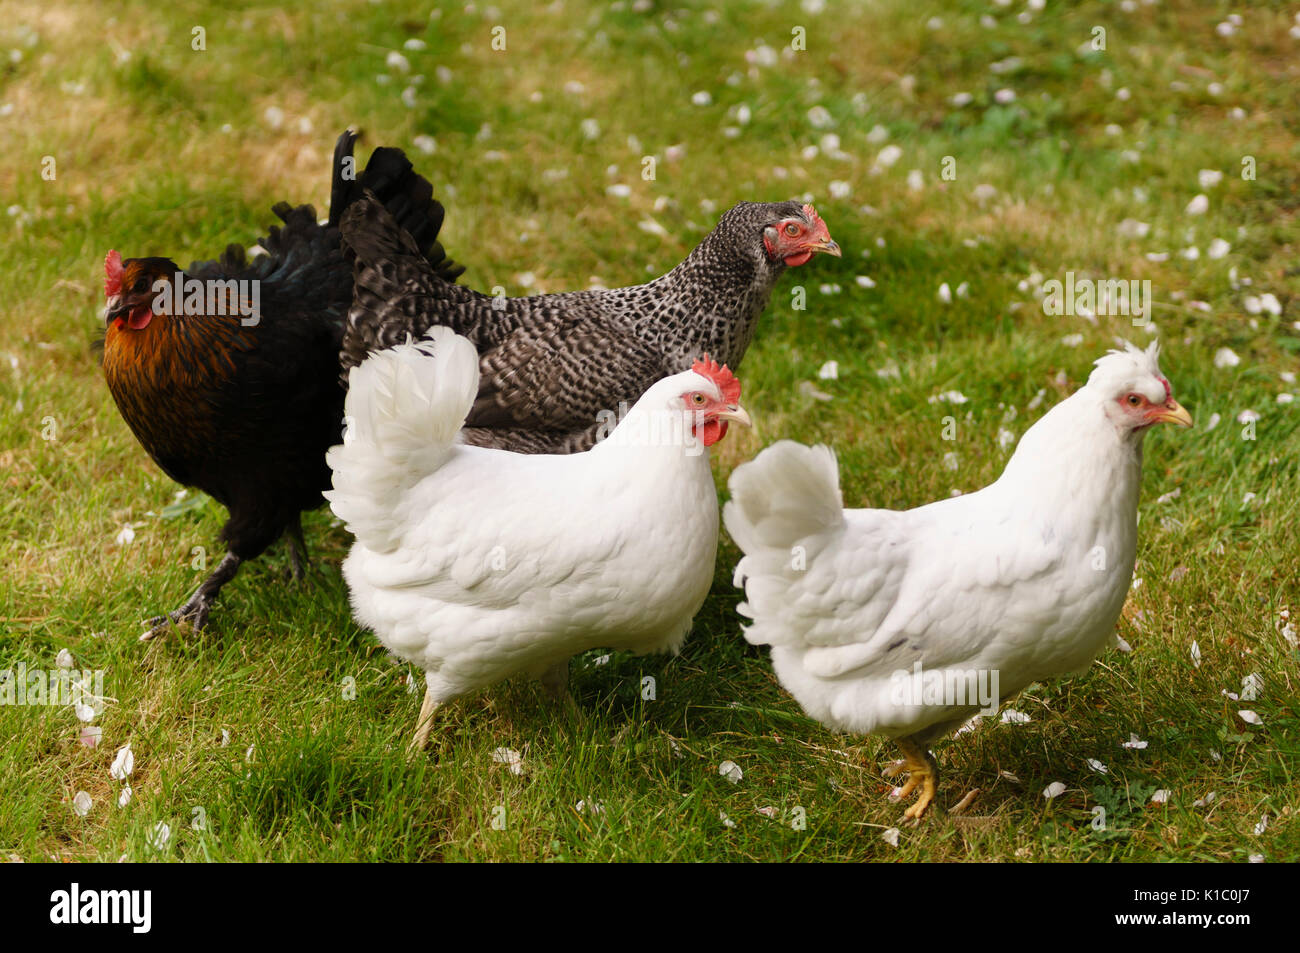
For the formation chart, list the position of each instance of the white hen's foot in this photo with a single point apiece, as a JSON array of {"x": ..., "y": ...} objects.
[
  {"x": 425, "y": 723},
  {"x": 922, "y": 772},
  {"x": 556, "y": 681}
]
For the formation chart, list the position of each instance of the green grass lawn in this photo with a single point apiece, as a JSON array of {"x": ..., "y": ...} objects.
[{"x": 246, "y": 742}]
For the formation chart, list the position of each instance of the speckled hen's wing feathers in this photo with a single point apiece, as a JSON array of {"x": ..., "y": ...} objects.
[{"x": 562, "y": 375}]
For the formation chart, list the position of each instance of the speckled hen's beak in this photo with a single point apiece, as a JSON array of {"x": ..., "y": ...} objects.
[
  {"x": 1172, "y": 412},
  {"x": 826, "y": 245}
]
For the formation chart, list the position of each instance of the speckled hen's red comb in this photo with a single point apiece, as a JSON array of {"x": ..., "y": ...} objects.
[
  {"x": 814, "y": 219},
  {"x": 726, "y": 381},
  {"x": 112, "y": 274}
]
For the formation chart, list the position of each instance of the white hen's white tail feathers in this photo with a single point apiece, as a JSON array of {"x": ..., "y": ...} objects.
[
  {"x": 787, "y": 493},
  {"x": 404, "y": 409}
]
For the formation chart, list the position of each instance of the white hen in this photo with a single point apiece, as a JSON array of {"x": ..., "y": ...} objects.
[
  {"x": 476, "y": 564},
  {"x": 898, "y": 623}
]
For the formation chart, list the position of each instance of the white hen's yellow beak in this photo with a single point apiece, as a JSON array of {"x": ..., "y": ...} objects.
[
  {"x": 1172, "y": 412},
  {"x": 738, "y": 414}
]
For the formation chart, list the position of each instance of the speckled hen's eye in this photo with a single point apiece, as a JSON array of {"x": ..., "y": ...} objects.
[{"x": 792, "y": 229}]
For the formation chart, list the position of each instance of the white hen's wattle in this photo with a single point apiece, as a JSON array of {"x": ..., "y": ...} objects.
[
  {"x": 1019, "y": 581},
  {"x": 476, "y": 564}
]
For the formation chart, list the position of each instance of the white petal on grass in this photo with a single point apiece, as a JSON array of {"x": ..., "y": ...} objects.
[
  {"x": 1247, "y": 416},
  {"x": 864, "y": 282},
  {"x": 1262, "y": 826},
  {"x": 82, "y": 803},
  {"x": 731, "y": 771},
  {"x": 1268, "y": 302},
  {"x": 1218, "y": 249},
  {"x": 1250, "y": 717},
  {"x": 1013, "y": 717},
  {"x": 1226, "y": 357},
  {"x": 125, "y": 536},
  {"x": 63, "y": 659},
  {"x": 161, "y": 834},
  {"x": 726, "y": 821},
  {"x": 1199, "y": 205},
  {"x": 1259, "y": 858},
  {"x": 123, "y": 763},
  {"x": 702, "y": 98},
  {"x": 1196, "y": 654},
  {"x": 90, "y": 735},
  {"x": 1132, "y": 228},
  {"x": 768, "y": 812},
  {"x": 945, "y": 293},
  {"x": 1097, "y": 766},
  {"x": 890, "y": 836},
  {"x": 1055, "y": 789},
  {"x": 1161, "y": 796},
  {"x": 426, "y": 144},
  {"x": 808, "y": 389},
  {"x": 124, "y": 798},
  {"x": 1202, "y": 802},
  {"x": 1122, "y": 644},
  {"x": 840, "y": 189},
  {"x": 510, "y": 758},
  {"x": 888, "y": 156},
  {"x": 830, "y": 371},
  {"x": 1134, "y": 742},
  {"x": 1004, "y": 96},
  {"x": 1208, "y": 178},
  {"x": 951, "y": 461},
  {"x": 916, "y": 180},
  {"x": 397, "y": 61}
]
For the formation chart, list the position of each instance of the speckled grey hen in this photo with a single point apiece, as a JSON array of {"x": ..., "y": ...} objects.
[{"x": 552, "y": 366}]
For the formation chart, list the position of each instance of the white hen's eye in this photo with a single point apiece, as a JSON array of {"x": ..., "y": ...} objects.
[
  {"x": 698, "y": 399},
  {"x": 1134, "y": 400}
]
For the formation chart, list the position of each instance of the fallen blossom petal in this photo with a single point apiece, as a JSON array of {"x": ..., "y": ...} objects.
[
  {"x": 1013, "y": 717},
  {"x": 890, "y": 836},
  {"x": 1250, "y": 717},
  {"x": 731, "y": 771},
  {"x": 123, "y": 763},
  {"x": 1161, "y": 796},
  {"x": 1055, "y": 789},
  {"x": 510, "y": 758},
  {"x": 82, "y": 803},
  {"x": 1134, "y": 742},
  {"x": 1097, "y": 767}
]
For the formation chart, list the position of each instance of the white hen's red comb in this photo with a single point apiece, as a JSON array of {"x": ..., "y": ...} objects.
[{"x": 726, "y": 381}]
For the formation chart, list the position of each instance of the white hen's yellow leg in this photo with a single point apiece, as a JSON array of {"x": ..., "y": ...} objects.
[
  {"x": 922, "y": 772},
  {"x": 425, "y": 722}
]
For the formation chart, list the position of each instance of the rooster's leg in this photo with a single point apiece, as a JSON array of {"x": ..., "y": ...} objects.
[
  {"x": 297, "y": 548},
  {"x": 425, "y": 722},
  {"x": 922, "y": 772},
  {"x": 195, "y": 610}
]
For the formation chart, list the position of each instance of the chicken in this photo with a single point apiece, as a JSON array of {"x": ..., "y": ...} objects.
[
  {"x": 228, "y": 374},
  {"x": 550, "y": 364},
  {"x": 904, "y": 624},
  {"x": 475, "y": 563}
]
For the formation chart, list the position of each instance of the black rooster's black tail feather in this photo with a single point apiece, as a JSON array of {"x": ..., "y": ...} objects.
[{"x": 406, "y": 195}]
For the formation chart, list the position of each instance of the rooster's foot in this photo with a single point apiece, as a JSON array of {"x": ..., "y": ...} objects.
[{"x": 195, "y": 611}]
